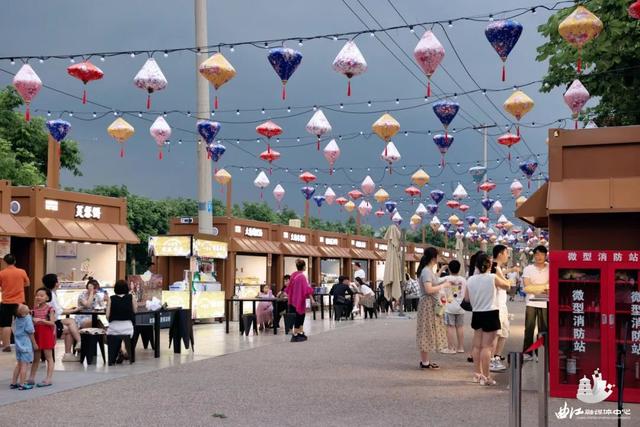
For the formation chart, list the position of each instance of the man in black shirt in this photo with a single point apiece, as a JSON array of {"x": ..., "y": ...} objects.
[{"x": 341, "y": 303}]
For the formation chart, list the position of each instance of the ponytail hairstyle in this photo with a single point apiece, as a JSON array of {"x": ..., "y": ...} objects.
[
  {"x": 429, "y": 255},
  {"x": 472, "y": 263},
  {"x": 483, "y": 262}
]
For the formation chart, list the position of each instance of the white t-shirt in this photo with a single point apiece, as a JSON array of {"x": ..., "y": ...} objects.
[
  {"x": 359, "y": 273},
  {"x": 56, "y": 305},
  {"x": 482, "y": 292},
  {"x": 365, "y": 290},
  {"x": 454, "y": 294},
  {"x": 537, "y": 277},
  {"x": 502, "y": 298}
]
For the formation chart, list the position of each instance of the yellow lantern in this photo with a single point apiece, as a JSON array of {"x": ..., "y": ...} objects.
[
  {"x": 518, "y": 104},
  {"x": 454, "y": 220},
  {"x": 350, "y": 206},
  {"x": 520, "y": 201},
  {"x": 222, "y": 177},
  {"x": 420, "y": 178},
  {"x": 473, "y": 227},
  {"x": 381, "y": 196},
  {"x": 218, "y": 71},
  {"x": 386, "y": 127},
  {"x": 578, "y": 28},
  {"x": 416, "y": 219},
  {"x": 120, "y": 130}
]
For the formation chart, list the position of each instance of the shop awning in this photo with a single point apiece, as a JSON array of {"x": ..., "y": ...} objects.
[
  {"x": 10, "y": 227},
  {"x": 363, "y": 254},
  {"x": 382, "y": 255},
  {"x": 239, "y": 244},
  {"x": 63, "y": 229},
  {"x": 334, "y": 252},
  {"x": 534, "y": 210},
  {"x": 298, "y": 249},
  {"x": 410, "y": 256}
]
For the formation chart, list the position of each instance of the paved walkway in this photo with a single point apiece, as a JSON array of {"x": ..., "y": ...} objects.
[{"x": 362, "y": 372}]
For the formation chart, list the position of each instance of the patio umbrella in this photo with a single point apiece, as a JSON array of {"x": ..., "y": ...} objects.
[{"x": 393, "y": 264}]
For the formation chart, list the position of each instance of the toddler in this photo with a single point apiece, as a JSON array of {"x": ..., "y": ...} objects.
[{"x": 25, "y": 345}]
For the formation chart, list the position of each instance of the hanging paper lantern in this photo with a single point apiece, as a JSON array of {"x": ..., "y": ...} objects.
[
  {"x": 270, "y": 156},
  {"x": 528, "y": 168},
  {"x": 477, "y": 174},
  {"x": 634, "y": 9},
  {"x": 435, "y": 224},
  {"x": 269, "y": 129},
  {"x": 217, "y": 70},
  {"x": 58, "y": 129},
  {"x": 497, "y": 207},
  {"x": 397, "y": 219},
  {"x": 412, "y": 191},
  {"x": 390, "y": 154},
  {"x": 261, "y": 182},
  {"x": 576, "y": 97},
  {"x": 318, "y": 125},
  {"x": 307, "y": 177},
  {"x": 390, "y": 206},
  {"x": 502, "y": 220},
  {"x": 420, "y": 178},
  {"x": 516, "y": 188},
  {"x": 508, "y": 139},
  {"x": 381, "y": 196},
  {"x": 208, "y": 130},
  {"x": 368, "y": 186},
  {"x": 518, "y": 104},
  {"x": 150, "y": 78},
  {"x": 341, "y": 201},
  {"x": 27, "y": 84},
  {"x": 470, "y": 219},
  {"x": 161, "y": 132},
  {"x": 446, "y": 111},
  {"x": 349, "y": 206},
  {"x": 446, "y": 225},
  {"x": 308, "y": 191},
  {"x": 421, "y": 210},
  {"x": 428, "y": 53},
  {"x": 578, "y": 28},
  {"x": 385, "y": 127},
  {"x": 464, "y": 208},
  {"x": 484, "y": 219},
  {"x": 330, "y": 196},
  {"x": 442, "y": 229},
  {"x": 222, "y": 177},
  {"x": 278, "y": 194},
  {"x": 437, "y": 196},
  {"x": 350, "y": 62},
  {"x": 331, "y": 153},
  {"x": 487, "y": 186},
  {"x": 355, "y": 194},
  {"x": 364, "y": 208},
  {"x": 486, "y": 203},
  {"x": 460, "y": 193},
  {"x": 319, "y": 201},
  {"x": 432, "y": 209},
  {"x": 120, "y": 130},
  {"x": 453, "y": 204},
  {"x": 503, "y": 36},
  {"x": 85, "y": 72},
  {"x": 590, "y": 125},
  {"x": 379, "y": 213},
  {"x": 443, "y": 143},
  {"x": 415, "y": 219},
  {"x": 284, "y": 61},
  {"x": 215, "y": 151}
]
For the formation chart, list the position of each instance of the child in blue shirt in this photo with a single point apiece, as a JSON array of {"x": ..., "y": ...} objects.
[{"x": 25, "y": 345}]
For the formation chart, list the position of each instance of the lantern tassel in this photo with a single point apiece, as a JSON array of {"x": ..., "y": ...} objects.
[
  {"x": 270, "y": 170},
  {"x": 27, "y": 113},
  {"x": 160, "y": 155},
  {"x": 429, "y": 87},
  {"x": 349, "y": 88},
  {"x": 509, "y": 156},
  {"x": 385, "y": 151},
  {"x": 284, "y": 91},
  {"x": 149, "y": 102},
  {"x": 579, "y": 61},
  {"x": 318, "y": 144},
  {"x": 576, "y": 124},
  {"x": 442, "y": 160},
  {"x": 215, "y": 102},
  {"x": 268, "y": 148},
  {"x": 84, "y": 96},
  {"x": 261, "y": 195},
  {"x": 504, "y": 72},
  {"x": 331, "y": 170},
  {"x": 208, "y": 155},
  {"x": 390, "y": 169},
  {"x": 121, "y": 152},
  {"x": 318, "y": 211},
  {"x": 529, "y": 183},
  {"x": 518, "y": 129}
]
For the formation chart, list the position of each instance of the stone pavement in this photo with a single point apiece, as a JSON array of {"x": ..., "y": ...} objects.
[{"x": 362, "y": 372}]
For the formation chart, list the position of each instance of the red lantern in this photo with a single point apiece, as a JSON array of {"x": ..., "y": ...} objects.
[
  {"x": 307, "y": 177},
  {"x": 412, "y": 192},
  {"x": 269, "y": 129},
  {"x": 355, "y": 194},
  {"x": 453, "y": 204},
  {"x": 341, "y": 201},
  {"x": 509, "y": 139},
  {"x": 270, "y": 156},
  {"x": 487, "y": 186},
  {"x": 463, "y": 208},
  {"x": 85, "y": 72},
  {"x": 484, "y": 219}
]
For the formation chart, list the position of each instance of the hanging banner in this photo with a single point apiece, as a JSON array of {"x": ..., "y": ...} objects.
[
  {"x": 170, "y": 246},
  {"x": 209, "y": 249}
]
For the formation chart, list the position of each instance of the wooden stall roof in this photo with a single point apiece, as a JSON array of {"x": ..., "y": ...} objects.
[
  {"x": 240, "y": 244},
  {"x": 52, "y": 228},
  {"x": 10, "y": 227},
  {"x": 534, "y": 210},
  {"x": 382, "y": 255},
  {"x": 363, "y": 254},
  {"x": 299, "y": 249},
  {"x": 334, "y": 252}
]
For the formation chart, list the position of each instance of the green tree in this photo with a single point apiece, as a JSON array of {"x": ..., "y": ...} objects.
[
  {"x": 16, "y": 171},
  {"x": 611, "y": 62},
  {"x": 258, "y": 211},
  {"x": 28, "y": 142}
]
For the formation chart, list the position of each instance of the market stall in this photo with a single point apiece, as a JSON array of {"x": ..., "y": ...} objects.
[
  {"x": 295, "y": 243},
  {"x": 361, "y": 250},
  {"x": 380, "y": 248},
  {"x": 333, "y": 260}
]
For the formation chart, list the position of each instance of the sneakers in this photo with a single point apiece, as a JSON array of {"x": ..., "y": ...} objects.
[
  {"x": 527, "y": 357},
  {"x": 68, "y": 357},
  {"x": 298, "y": 338},
  {"x": 447, "y": 351},
  {"x": 496, "y": 365}
]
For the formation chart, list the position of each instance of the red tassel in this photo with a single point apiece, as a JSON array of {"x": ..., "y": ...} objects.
[
  {"x": 442, "y": 160},
  {"x": 331, "y": 171},
  {"x": 148, "y": 101},
  {"x": 390, "y": 169},
  {"x": 529, "y": 183},
  {"x": 121, "y": 152},
  {"x": 215, "y": 171},
  {"x": 268, "y": 148},
  {"x": 518, "y": 130},
  {"x": 270, "y": 171},
  {"x": 446, "y": 136},
  {"x": 509, "y": 155},
  {"x": 579, "y": 61},
  {"x": 215, "y": 103},
  {"x": 429, "y": 88},
  {"x": 27, "y": 114},
  {"x": 576, "y": 124},
  {"x": 504, "y": 72},
  {"x": 318, "y": 145},
  {"x": 160, "y": 155},
  {"x": 261, "y": 195},
  {"x": 84, "y": 96},
  {"x": 385, "y": 151},
  {"x": 318, "y": 210},
  {"x": 208, "y": 155},
  {"x": 349, "y": 88},
  {"x": 284, "y": 91}
]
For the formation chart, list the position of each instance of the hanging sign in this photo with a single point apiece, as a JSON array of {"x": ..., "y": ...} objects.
[
  {"x": 209, "y": 249},
  {"x": 88, "y": 212}
]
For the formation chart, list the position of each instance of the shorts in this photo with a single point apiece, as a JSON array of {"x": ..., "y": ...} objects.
[
  {"x": 453, "y": 319},
  {"x": 7, "y": 312},
  {"x": 488, "y": 321},
  {"x": 24, "y": 356},
  {"x": 299, "y": 320},
  {"x": 505, "y": 325}
]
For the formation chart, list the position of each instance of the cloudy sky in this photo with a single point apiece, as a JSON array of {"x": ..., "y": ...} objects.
[{"x": 32, "y": 27}]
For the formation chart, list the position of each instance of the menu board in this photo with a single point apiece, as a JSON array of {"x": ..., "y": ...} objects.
[
  {"x": 209, "y": 249},
  {"x": 170, "y": 246}
]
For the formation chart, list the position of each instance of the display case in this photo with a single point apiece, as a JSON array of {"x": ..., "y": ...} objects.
[{"x": 594, "y": 301}]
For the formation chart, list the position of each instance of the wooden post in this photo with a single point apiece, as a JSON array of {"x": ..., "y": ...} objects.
[
  {"x": 228, "y": 207},
  {"x": 53, "y": 164},
  {"x": 306, "y": 214}
]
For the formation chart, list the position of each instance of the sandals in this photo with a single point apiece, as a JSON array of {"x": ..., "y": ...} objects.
[
  {"x": 43, "y": 384},
  {"x": 487, "y": 381},
  {"x": 476, "y": 378},
  {"x": 430, "y": 365}
]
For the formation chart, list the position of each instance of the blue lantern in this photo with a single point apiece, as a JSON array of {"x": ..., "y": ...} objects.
[
  {"x": 284, "y": 61},
  {"x": 503, "y": 36}
]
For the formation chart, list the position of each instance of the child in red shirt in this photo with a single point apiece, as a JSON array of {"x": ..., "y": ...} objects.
[{"x": 44, "y": 318}]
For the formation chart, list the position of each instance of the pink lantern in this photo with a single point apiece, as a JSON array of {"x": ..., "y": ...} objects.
[
  {"x": 161, "y": 132},
  {"x": 380, "y": 213},
  {"x": 463, "y": 208},
  {"x": 350, "y": 62},
  {"x": 484, "y": 219},
  {"x": 428, "y": 53},
  {"x": 318, "y": 126},
  {"x": 331, "y": 153},
  {"x": 516, "y": 188},
  {"x": 368, "y": 186},
  {"x": 355, "y": 194},
  {"x": 576, "y": 97},
  {"x": 27, "y": 84},
  {"x": 364, "y": 208},
  {"x": 150, "y": 78},
  {"x": 497, "y": 207},
  {"x": 278, "y": 194},
  {"x": 330, "y": 196},
  {"x": 487, "y": 186}
]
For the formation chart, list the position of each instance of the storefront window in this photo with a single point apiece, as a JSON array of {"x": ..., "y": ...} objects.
[
  {"x": 251, "y": 272},
  {"x": 290, "y": 265},
  {"x": 379, "y": 270},
  {"x": 329, "y": 271}
]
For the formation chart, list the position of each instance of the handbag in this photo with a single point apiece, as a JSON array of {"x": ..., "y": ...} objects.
[{"x": 466, "y": 305}]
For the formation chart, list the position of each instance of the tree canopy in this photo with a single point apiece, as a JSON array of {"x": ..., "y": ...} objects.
[{"x": 610, "y": 62}]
